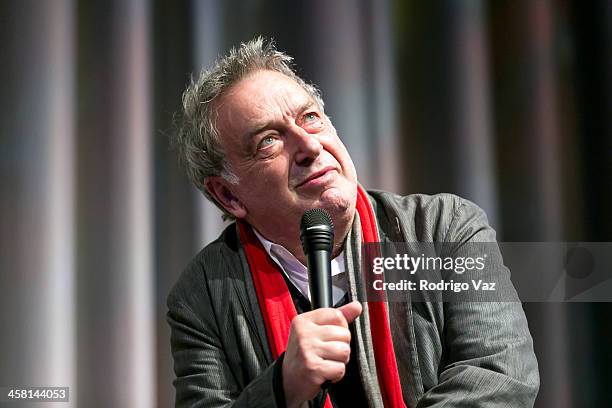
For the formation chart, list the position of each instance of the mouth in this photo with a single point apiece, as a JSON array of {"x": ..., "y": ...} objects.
[{"x": 314, "y": 178}]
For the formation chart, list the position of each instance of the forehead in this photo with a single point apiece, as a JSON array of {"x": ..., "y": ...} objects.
[{"x": 258, "y": 98}]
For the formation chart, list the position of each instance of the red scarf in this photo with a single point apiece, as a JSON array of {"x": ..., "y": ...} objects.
[{"x": 278, "y": 309}]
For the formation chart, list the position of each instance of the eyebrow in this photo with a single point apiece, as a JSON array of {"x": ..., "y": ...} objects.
[{"x": 260, "y": 128}]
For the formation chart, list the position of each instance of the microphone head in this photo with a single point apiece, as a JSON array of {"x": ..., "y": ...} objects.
[{"x": 316, "y": 230}]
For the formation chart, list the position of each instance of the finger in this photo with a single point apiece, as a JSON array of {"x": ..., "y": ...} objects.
[
  {"x": 326, "y": 316},
  {"x": 351, "y": 311},
  {"x": 332, "y": 370},
  {"x": 336, "y": 351},
  {"x": 334, "y": 333}
]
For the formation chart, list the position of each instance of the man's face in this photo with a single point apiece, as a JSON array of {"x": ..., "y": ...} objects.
[{"x": 285, "y": 152}]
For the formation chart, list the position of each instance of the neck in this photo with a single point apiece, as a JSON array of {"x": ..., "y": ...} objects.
[{"x": 341, "y": 230}]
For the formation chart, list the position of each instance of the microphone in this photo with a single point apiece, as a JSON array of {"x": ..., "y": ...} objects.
[{"x": 317, "y": 235}]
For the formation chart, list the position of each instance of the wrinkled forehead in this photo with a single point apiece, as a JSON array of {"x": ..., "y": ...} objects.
[{"x": 258, "y": 98}]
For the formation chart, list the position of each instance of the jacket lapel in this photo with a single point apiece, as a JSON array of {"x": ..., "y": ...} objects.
[
  {"x": 400, "y": 313},
  {"x": 247, "y": 297}
]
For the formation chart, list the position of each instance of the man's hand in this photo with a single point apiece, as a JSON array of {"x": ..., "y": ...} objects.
[{"x": 318, "y": 349}]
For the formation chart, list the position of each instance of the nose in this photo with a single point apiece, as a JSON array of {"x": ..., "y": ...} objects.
[{"x": 307, "y": 146}]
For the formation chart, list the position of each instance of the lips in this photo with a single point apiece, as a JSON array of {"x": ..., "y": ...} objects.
[{"x": 316, "y": 175}]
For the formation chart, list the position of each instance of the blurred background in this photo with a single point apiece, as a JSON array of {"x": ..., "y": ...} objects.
[{"x": 506, "y": 103}]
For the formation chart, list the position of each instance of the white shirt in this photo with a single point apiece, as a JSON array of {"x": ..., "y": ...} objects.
[{"x": 298, "y": 273}]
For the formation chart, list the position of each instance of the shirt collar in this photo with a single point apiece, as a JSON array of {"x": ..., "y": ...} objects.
[{"x": 290, "y": 264}]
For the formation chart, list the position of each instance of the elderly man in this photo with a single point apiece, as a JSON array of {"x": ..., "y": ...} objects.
[{"x": 255, "y": 140}]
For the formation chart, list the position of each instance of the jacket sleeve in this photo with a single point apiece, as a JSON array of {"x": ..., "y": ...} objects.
[
  {"x": 204, "y": 377},
  {"x": 488, "y": 358}
]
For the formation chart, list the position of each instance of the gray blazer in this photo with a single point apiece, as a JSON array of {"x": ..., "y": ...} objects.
[{"x": 449, "y": 354}]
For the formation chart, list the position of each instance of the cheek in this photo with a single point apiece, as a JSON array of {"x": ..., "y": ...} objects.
[
  {"x": 335, "y": 147},
  {"x": 272, "y": 176},
  {"x": 343, "y": 157}
]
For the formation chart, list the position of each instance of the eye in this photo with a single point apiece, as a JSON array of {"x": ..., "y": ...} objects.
[
  {"x": 265, "y": 142},
  {"x": 312, "y": 122},
  {"x": 310, "y": 117}
]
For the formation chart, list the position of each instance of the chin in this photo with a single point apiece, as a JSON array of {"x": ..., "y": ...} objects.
[{"x": 338, "y": 200}]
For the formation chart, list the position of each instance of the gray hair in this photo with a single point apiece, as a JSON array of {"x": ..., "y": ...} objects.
[{"x": 197, "y": 138}]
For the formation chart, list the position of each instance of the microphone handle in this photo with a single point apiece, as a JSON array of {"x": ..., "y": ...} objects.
[{"x": 319, "y": 278}]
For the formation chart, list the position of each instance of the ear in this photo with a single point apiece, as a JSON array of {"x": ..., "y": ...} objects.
[{"x": 220, "y": 189}]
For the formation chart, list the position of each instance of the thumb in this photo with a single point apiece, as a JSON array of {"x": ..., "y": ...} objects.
[{"x": 351, "y": 311}]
